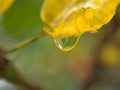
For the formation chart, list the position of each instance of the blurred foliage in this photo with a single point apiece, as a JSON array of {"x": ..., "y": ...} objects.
[
  {"x": 110, "y": 55},
  {"x": 42, "y": 64},
  {"x": 4, "y": 5}
]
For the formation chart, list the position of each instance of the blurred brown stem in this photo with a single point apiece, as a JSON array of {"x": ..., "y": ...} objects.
[
  {"x": 111, "y": 30},
  {"x": 10, "y": 73}
]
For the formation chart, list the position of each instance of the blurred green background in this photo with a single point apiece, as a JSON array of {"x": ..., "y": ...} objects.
[{"x": 42, "y": 64}]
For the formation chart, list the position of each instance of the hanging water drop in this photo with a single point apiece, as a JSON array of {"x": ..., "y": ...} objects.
[{"x": 67, "y": 44}]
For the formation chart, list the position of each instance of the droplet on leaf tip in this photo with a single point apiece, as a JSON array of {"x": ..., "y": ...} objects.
[{"x": 66, "y": 44}]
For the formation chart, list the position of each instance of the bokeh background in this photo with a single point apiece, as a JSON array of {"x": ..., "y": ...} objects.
[{"x": 94, "y": 64}]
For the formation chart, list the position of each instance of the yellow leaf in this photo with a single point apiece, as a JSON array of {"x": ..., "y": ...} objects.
[
  {"x": 66, "y": 18},
  {"x": 74, "y": 17},
  {"x": 4, "y": 5}
]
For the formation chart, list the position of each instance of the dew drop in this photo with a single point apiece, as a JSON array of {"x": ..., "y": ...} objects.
[{"x": 67, "y": 44}]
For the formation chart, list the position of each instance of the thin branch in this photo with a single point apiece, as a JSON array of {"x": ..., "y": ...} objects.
[
  {"x": 27, "y": 41},
  {"x": 9, "y": 72}
]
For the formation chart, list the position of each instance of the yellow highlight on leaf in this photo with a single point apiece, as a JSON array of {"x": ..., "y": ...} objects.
[
  {"x": 66, "y": 18},
  {"x": 4, "y": 5}
]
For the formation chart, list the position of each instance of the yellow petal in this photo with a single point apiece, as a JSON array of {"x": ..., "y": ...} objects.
[
  {"x": 74, "y": 17},
  {"x": 53, "y": 9},
  {"x": 4, "y": 5}
]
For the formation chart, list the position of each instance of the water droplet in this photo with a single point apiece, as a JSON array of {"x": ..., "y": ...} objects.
[{"x": 67, "y": 44}]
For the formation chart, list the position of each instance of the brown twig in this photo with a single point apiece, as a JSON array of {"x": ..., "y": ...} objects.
[
  {"x": 10, "y": 73},
  {"x": 111, "y": 30}
]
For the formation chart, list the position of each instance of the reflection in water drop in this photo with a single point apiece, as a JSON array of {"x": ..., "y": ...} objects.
[{"x": 67, "y": 44}]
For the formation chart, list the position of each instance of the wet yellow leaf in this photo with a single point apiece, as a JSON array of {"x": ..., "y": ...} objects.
[
  {"x": 67, "y": 18},
  {"x": 4, "y": 5}
]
